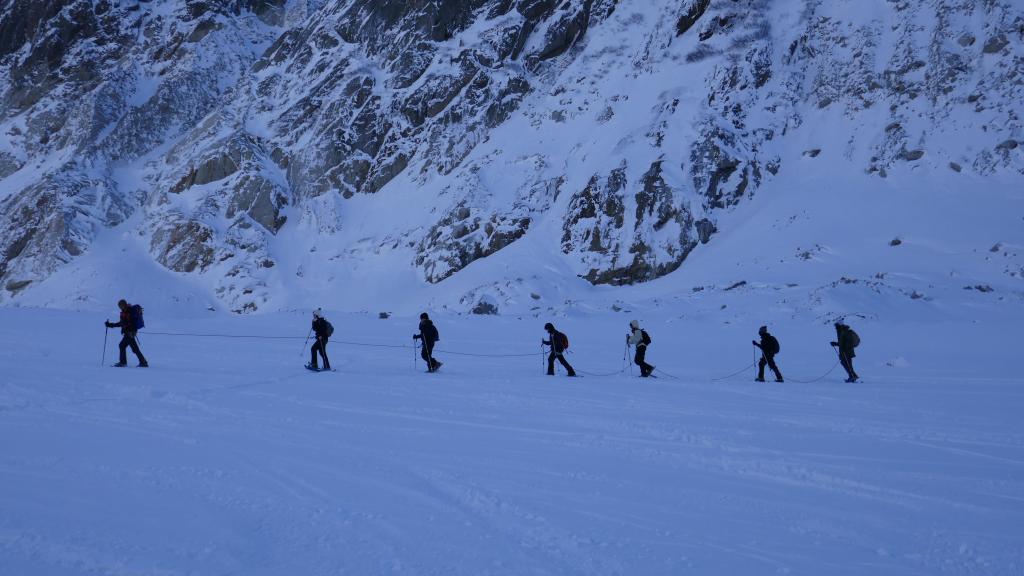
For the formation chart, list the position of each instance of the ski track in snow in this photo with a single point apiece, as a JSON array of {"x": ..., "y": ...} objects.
[{"x": 229, "y": 458}]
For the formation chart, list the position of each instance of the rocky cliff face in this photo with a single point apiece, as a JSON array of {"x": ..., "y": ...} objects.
[{"x": 219, "y": 131}]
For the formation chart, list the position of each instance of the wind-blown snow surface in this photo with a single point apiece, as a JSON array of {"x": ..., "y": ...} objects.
[{"x": 226, "y": 457}]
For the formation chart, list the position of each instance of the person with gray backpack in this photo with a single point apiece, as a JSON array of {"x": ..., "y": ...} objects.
[
  {"x": 639, "y": 338},
  {"x": 846, "y": 341}
]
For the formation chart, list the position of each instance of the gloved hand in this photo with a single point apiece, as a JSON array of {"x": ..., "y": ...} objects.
[
  {"x": 754, "y": 342},
  {"x": 834, "y": 343},
  {"x": 415, "y": 336},
  {"x": 108, "y": 324}
]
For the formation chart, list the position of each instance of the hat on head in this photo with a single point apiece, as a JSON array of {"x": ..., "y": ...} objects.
[
  {"x": 424, "y": 316},
  {"x": 317, "y": 313},
  {"x": 634, "y": 324},
  {"x": 762, "y": 330},
  {"x": 549, "y": 326}
]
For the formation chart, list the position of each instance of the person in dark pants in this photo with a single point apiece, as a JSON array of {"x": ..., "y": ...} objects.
[
  {"x": 429, "y": 335},
  {"x": 559, "y": 342},
  {"x": 323, "y": 330},
  {"x": 769, "y": 348},
  {"x": 639, "y": 338},
  {"x": 846, "y": 341},
  {"x": 128, "y": 333}
]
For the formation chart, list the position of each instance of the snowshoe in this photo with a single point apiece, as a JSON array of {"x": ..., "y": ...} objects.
[
  {"x": 312, "y": 368},
  {"x": 118, "y": 365}
]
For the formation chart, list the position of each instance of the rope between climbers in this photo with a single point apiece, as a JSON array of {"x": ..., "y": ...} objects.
[{"x": 340, "y": 342}]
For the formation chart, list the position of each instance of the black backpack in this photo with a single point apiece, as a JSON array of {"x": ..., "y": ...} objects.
[
  {"x": 645, "y": 337},
  {"x": 854, "y": 338},
  {"x": 328, "y": 329},
  {"x": 138, "y": 321}
]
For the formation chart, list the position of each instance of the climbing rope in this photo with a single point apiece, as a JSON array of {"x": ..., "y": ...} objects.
[{"x": 339, "y": 342}]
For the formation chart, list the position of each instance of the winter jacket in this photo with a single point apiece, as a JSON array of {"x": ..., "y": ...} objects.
[
  {"x": 428, "y": 332},
  {"x": 320, "y": 328},
  {"x": 846, "y": 343},
  {"x": 556, "y": 341},
  {"x": 636, "y": 338},
  {"x": 125, "y": 322},
  {"x": 769, "y": 345}
]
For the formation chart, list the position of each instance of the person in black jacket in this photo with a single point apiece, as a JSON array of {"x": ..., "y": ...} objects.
[
  {"x": 558, "y": 342},
  {"x": 128, "y": 334},
  {"x": 429, "y": 335},
  {"x": 769, "y": 348},
  {"x": 322, "y": 329},
  {"x": 846, "y": 341}
]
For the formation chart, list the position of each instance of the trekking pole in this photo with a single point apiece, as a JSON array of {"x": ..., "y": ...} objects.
[
  {"x": 755, "y": 361},
  {"x": 625, "y": 358},
  {"x": 415, "y": 363},
  {"x": 106, "y": 332},
  {"x": 306, "y": 342}
]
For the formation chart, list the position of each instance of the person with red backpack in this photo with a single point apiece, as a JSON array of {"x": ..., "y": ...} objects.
[
  {"x": 559, "y": 343},
  {"x": 129, "y": 322},
  {"x": 639, "y": 338}
]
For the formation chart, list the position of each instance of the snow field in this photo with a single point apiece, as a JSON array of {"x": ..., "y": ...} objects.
[{"x": 226, "y": 457}]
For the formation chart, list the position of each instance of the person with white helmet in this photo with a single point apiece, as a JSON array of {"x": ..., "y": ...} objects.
[
  {"x": 639, "y": 338},
  {"x": 323, "y": 330}
]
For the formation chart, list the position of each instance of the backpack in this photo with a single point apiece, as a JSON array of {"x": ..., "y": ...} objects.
[
  {"x": 646, "y": 338},
  {"x": 328, "y": 329},
  {"x": 138, "y": 321},
  {"x": 854, "y": 338},
  {"x": 563, "y": 340}
]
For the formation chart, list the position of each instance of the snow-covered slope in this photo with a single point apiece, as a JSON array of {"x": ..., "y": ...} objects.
[
  {"x": 518, "y": 155},
  {"x": 226, "y": 457}
]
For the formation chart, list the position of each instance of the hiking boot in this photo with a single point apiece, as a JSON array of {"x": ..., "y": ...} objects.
[
  {"x": 551, "y": 373},
  {"x": 758, "y": 379},
  {"x": 779, "y": 380},
  {"x": 143, "y": 365},
  {"x": 120, "y": 365},
  {"x": 851, "y": 380}
]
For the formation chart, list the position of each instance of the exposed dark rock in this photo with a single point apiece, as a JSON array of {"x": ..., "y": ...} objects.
[
  {"x": 912, "y": 155},
  {"x": 692, "y": 15},
  {"x": 995, "y": 44}
]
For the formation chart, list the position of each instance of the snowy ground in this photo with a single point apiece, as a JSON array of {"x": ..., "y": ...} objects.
[{"x": 226, "y": 457}]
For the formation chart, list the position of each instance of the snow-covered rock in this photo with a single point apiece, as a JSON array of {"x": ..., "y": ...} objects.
[{"x": 245, "y": 144}]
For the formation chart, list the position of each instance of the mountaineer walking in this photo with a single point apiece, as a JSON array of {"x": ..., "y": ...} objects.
[
  {"x": 846, "y": 341},
  {"x": 429, "y": 336},
  {"x": 323, "y": 330},
  {"x": 639, "y": 338},
  {"x": 559, "y": 343},
  {"x": 769, "y": 346},
  {"x": 130, "y": 321}
]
